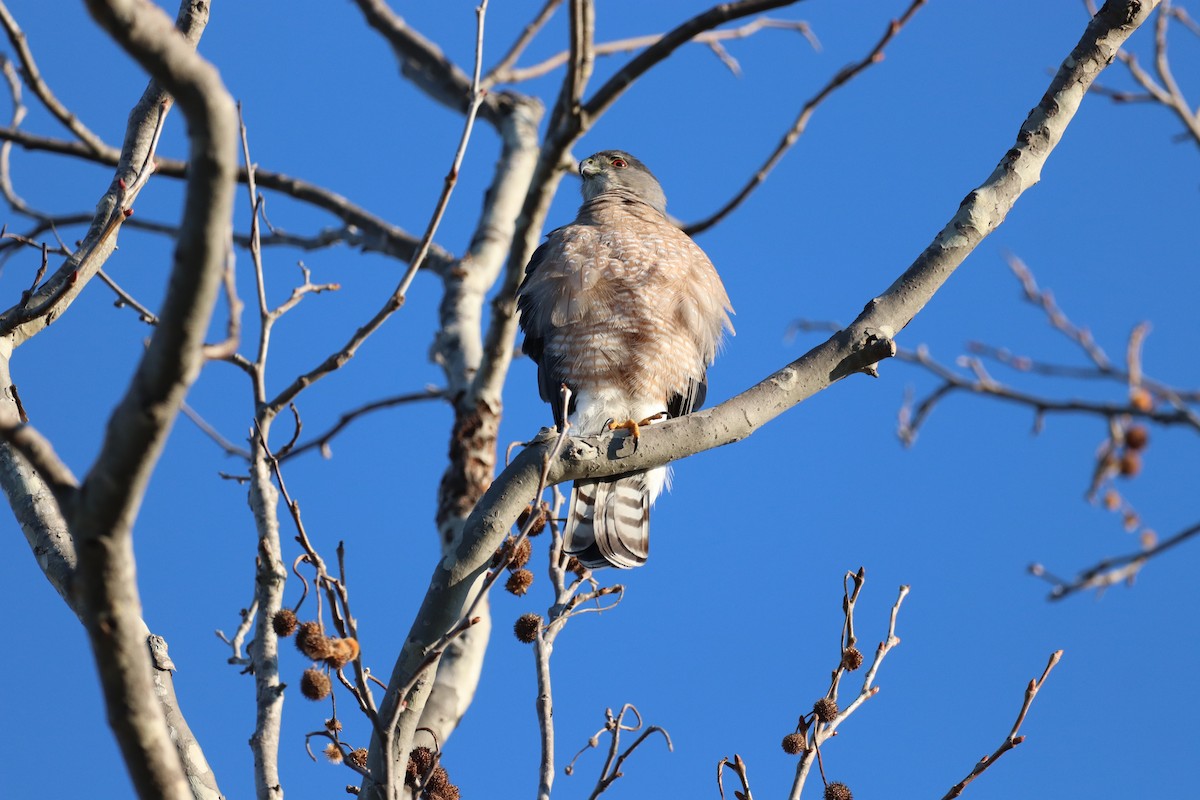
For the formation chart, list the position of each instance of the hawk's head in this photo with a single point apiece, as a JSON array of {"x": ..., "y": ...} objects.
[{"x": 615, "y": 169}]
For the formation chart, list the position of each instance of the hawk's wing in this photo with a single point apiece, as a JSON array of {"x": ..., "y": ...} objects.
[{"x": 535, "y": 304}]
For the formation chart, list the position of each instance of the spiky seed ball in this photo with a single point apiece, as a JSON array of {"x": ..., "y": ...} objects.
[
  {"x": 527, "y": 627},
  {"x": 501, "y": 554},
  {"x": 284, "y": 622},
  {"x": 521, "y": 553},
  {"x": 519, "y": 582},
  {"x": 333, "y": 725},
  {"x": 314, "y": 684},
  {"x": 437, "y": 780},
  {"x": 1137, "y": 437},
  {"x": 333, "y": 753},
  {"x": 852, "y": 658},
  {"x": 523, "y": 517},
  {"x": 358, "y": 757},
  {"x": 341, "y": 652},
  {"x": 838, "y": 791},
  {"x": 1131, "y": 463},
  {"x": 419, "y": 762},
  {"x": 539, "y": 521},
  {"x": 310, "y": 640},
  {"x": 794, "y": 744},
  {"x": 1112, "y": 500},
  {"x": 1141, "y": 399},
  {"x": 825, "y": 709}
]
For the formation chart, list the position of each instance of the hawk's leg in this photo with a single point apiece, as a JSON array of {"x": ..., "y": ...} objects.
[{"x": 634, "y": 427}]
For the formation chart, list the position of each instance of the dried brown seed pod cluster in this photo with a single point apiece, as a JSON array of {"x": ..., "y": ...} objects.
[
  {"x": 794, "y": 744},
  {"x": 358, "y": 757},
  {"x": 334, "y": 651},
  {"x": 825, "y": 709},
  {"x": 315, "y": 684},
  {"x": 838, "y": 791},
  {"x": 437, "y": 785},
  {"x": 520, "y": 554},
  {"x": 539, "y": 522},
  {"x": 519, "y": 582},
  {"x": 527, "y": 627},
  {"x": 284, "y": 622}
]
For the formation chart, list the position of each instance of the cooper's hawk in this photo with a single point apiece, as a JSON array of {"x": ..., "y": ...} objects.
[{"x": 626, "y": 310}]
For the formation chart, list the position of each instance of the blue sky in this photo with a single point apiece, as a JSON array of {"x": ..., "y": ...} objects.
[{"x": 731, "y": 630}]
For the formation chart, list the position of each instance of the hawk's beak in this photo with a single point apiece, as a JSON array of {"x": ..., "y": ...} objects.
[{"x": 588, "y": 168}]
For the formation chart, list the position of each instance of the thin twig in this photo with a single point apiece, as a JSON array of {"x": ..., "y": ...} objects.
[
  {"x": 739, "y": 768},
  {"x": 818, "y": 732},
  {"x": 1013, "y": 739},
  {"x": 1113, "y": 570},
  {"x": 322, "y": 441},
  {"x": 798, "y": 127},
  {"x": 398, "y": 296},
  {"x": 503, "y": 69},
  {"x": 225, "y": 444},
  {"x": 507, "y": 74},
  {"x": 124, "y": 298},
  {"x": 33, "y": 77}
]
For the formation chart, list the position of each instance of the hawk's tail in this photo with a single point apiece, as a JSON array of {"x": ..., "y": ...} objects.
[{"x": 609, "y": 522}]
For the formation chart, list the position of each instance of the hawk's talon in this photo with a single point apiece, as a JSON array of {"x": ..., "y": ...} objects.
[
  {"x": 633, "y": 427},
  {"x": 628, "y": 425}
]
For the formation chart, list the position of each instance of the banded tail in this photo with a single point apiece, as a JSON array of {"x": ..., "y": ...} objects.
[{"x": 609, "y": 521}]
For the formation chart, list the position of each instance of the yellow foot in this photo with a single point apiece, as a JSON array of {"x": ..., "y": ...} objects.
[{"x": 634, "y": 428}]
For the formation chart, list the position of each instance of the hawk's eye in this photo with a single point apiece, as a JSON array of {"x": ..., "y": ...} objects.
[{"x": 619, "y": 163}]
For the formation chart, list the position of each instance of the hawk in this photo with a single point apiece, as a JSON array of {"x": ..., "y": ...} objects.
[{"x": 627, "y": 311}]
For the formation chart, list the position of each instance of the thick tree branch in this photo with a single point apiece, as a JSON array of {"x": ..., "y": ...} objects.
[
  {"x": 424, "y": 63},
  {"x": 40, "y": 515},
  {"x": 668, "y": 44},
  {"x": 864, "y": 342},
  {"x": 103, "y": 519},
  {"x": 458, "y": 348}
]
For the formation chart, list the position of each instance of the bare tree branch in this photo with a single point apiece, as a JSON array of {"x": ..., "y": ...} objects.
[
  {"x": 321, "y": 441},
  {"x": 458, "y": 349},
  {"x": 424, "y": 63},
  {"x": 396, "y": 300},
  {"x": 615, "y": 86},
  {"x": 112, "y": 492},
  {"x": 1111, "y": 571},
  {"x": 134, "y": 168},
  {"x": 1165, "y": 91},
  {"x": 46, "y": 528},
  {"x": 1012, "y": 740},
  {"x": 820, "y": 729},
  {"x": 507, "y": 73},
  {"x": 33, "y": 77},
  {"x": 368, "y": 231},
  {"x": 505, "y": 64},
  {"x": 844, "y": 76}
]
